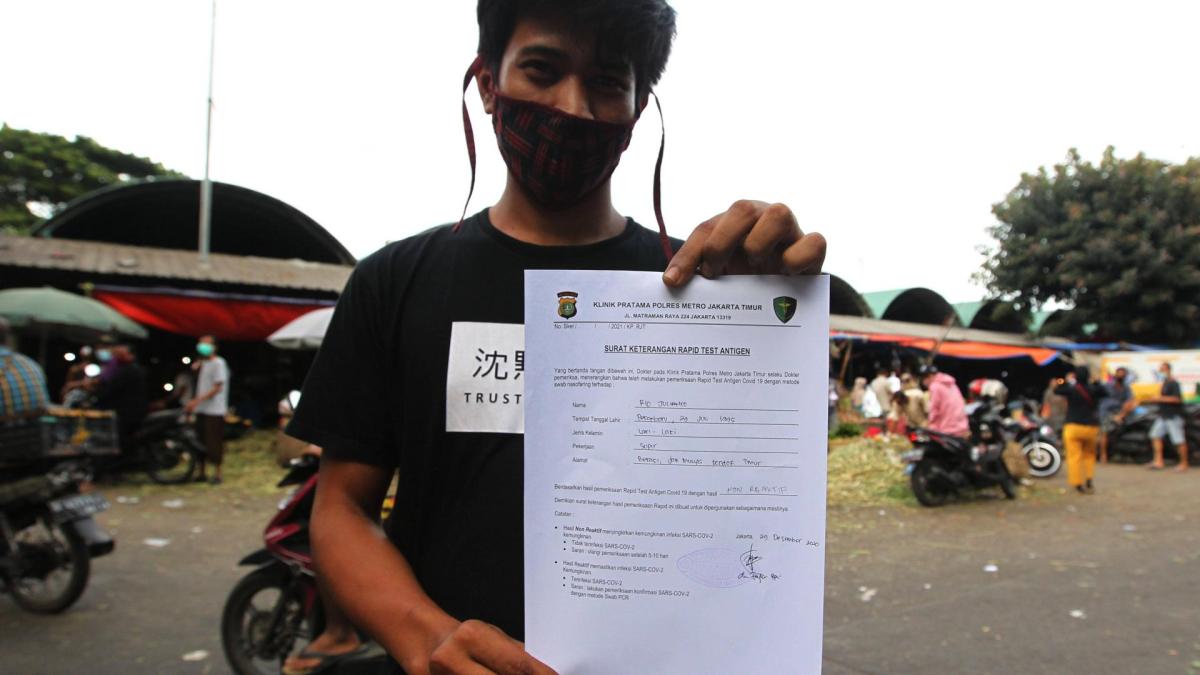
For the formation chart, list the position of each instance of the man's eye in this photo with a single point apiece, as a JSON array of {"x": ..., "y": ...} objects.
[
  {"x": 539, "y": 70},
  {"x": 611, "y": 83}
]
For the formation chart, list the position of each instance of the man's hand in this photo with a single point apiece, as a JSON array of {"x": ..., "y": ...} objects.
[
  {"x": 478, "y": 648},
  {"x": 191, "y": 406},
  {"x": 750, "y": 238}
]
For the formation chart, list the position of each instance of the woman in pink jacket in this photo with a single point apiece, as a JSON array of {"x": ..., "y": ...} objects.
[{"x": 946, "y": 405}]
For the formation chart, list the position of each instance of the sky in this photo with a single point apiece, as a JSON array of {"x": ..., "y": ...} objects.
[{"x": 891, "y": 128}]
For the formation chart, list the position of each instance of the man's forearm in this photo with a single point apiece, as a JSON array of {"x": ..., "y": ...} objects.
[{"x": 375, "y": 585}]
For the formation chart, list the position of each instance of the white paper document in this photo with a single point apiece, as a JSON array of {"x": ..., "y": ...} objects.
[{"x": 675, "y": 447}]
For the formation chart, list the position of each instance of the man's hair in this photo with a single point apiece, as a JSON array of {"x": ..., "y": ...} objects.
[
  {"x": 637, "y": 31},
  {"x": 210, "y": 338}
]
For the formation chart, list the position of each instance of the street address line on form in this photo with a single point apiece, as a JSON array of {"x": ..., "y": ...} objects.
[{"x": 675, "y": 458}]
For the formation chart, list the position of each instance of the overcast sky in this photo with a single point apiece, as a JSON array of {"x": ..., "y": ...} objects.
[{"x": 891, "y": 127}]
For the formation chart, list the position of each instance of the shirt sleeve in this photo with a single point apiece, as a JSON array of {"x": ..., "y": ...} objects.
[{"x": 346, "y": 406}]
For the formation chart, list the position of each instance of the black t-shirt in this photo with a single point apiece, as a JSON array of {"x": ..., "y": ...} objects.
[
  {"x": 1083, "y": 401},
  {"x": 376, "y": 394},
  {"x": 1171, "y": 410},
  {"x": 125, "y": 394}
]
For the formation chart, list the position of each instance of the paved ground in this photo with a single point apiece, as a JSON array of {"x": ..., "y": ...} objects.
[{"x": 1102, "y": 584}]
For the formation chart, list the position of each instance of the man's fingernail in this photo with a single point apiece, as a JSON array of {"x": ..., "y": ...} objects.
[
  {"x": 671, "y": 276},
  {"x": 706, "y": 270}
]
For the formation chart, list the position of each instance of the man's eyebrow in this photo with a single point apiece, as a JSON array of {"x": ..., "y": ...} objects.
[{"x": 543, "y": 51}]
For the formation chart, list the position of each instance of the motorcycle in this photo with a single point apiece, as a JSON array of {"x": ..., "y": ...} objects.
[
  {"x": 48, "y": 535},
  {"x": 277, "y": 603},
  {"x": 1039, "y": 444},
  {"x": 1130, "y": 440},
  {"x": 164, "y": 445},
  {"x": 941, "y": 465}
]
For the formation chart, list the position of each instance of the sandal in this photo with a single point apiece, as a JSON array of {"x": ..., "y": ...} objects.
[{"x": 324, "y": 660}]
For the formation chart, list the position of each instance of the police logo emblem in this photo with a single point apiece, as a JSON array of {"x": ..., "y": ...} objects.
[
  {"x": 566, "y": 304},
  {"x": 785, "y": 308}
]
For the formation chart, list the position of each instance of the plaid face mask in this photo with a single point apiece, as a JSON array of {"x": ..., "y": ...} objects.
[{"x": 557, "y": 158}]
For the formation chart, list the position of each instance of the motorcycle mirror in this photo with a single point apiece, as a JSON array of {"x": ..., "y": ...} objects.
[{"x": 294, "y": 398}]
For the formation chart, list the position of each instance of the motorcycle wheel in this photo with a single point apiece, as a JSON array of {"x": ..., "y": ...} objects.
[
  {"x": 62, "y": 556},
  {"x": 1044, "y": 459},
  {"x": 1007, "y": 485},
  {"x": 923, "y": 489},
  {"x": 171, "y": 461},
  {"x": 251, "y": 646}
]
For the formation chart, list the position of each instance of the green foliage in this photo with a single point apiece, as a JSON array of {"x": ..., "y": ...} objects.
[
  {"x": 51, "y": 170},
  {"x": 846, "y": 430},
  {"x": 1118, "y": 241}
]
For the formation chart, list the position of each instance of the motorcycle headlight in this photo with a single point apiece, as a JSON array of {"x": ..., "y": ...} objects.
[{"x": 1046, "y": 430}]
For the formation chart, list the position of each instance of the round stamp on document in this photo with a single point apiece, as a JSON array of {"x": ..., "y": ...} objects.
[{"x": 713, "y": 567}]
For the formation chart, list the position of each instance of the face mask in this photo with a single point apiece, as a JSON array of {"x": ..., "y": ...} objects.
[
  {"x": 558, "y": 159},
  {"x": 103, "y": 355},
  {"x": 205, "y": 349}
]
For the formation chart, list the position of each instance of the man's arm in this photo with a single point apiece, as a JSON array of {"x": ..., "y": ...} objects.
[
  {"x": 376, "y": 587},
  {"x": 750, "y": 238},
  {"x": 196, "y": 401}
]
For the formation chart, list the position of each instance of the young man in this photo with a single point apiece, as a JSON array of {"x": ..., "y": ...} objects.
[
  {"x": 209, "y": 406},
  {"x": 442, "y": 592},
  {"x": 23, "y": 394},
  {"x": 1170, "y": 420},
  {"x": 1111, "y": 407}
]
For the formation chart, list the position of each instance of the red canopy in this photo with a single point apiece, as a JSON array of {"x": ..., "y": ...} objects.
[
  {"x": 225, "y": 316},
  {"x": 969, "y": 350}
]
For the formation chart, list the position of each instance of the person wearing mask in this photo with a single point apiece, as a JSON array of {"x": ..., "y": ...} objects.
[
  {"x": 23, "y": 394},
  {"x": 209, "y": 406},
  {"x": 1116, "y": 396},
  {"x": 1081, "y": 428},
  {"x": 442, "y": 592},
  {"x": 121, "y": 388},
  {"x": 947, "y": 409},
  {"x": 1170, "y": 420}
]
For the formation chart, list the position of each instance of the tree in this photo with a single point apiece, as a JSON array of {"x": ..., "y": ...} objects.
[
  {"x": 1119, "y": 242},
  {"x": 40, "y": 173}
]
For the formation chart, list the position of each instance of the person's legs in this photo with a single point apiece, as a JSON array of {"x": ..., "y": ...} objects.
[
  {"x": 1073, "y": 442},
  {"x": 339, "y": 637},
  {"x": 202, "y": 460},
  {"x": 1179, "y": 440},
  {"x": 1088, "y": 460},
  {"x": 1157, "y": 431},
  {"x": 214, "y": 442},
  {"x": 1105, "y": 428}
]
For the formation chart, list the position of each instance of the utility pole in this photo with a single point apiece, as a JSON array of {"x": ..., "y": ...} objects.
[{"x": 206, "y": 184}]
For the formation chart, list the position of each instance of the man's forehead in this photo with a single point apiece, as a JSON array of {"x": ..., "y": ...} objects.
[{"x": 559, "y": 37}]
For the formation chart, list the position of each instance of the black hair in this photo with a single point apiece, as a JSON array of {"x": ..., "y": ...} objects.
[
  {"x": 638, "y": 31},
  {"x": 1082, "y": 373}
]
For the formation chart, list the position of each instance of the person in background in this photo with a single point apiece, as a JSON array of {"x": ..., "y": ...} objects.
[
  {"x": 870, "y": 408},
  {"x": 897, "y": 418},
  {"x": 1082, "y": 427},
  {"x": 916, "y": 402},
  {"x": 123, "y": 391},
  {"x": 74, "y": 390},
  {"x": 1054, "y": 407},
  {"x": 883, "y": 391},
  {"x": 858, "y": 393},
  {"x": 209, "y": 406},
  {"x": 23, "y": 393},
  {"x": 946, "y": 405},
  {"x": 833, "y": 404},
  {"x": 1116, "y": 396},
  {"x": 894, "y": 383},
  {"x": 1170, "y": 420}
]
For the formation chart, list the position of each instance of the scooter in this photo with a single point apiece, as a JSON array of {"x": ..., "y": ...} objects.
[
  {"x": 940, "y": 465},
  {"x": 48, "y": 536},
  {"x": 1039, "y": 444},
  {"x": 276, "y": 605},
  {"x": 1130, "y": 440}
]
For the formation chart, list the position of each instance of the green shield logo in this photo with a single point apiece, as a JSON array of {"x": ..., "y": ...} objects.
[
  {"x": 785, "y": 308},
  {"x": 566, "y": 304}
]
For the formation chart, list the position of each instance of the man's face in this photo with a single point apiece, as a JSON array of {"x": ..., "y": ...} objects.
[
  {"x": 546, "y": 63},
  {"x": 1165, "y": 370},
  {"x": 1122, "y": 374}
]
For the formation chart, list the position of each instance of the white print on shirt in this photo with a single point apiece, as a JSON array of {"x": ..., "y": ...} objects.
[{"x": 485, "y": 384}]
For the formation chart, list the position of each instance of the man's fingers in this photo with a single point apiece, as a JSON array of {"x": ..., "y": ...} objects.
[
  {"x": 775, "y": 230},
  {"x": 806, "y": 256},
  {"x": 498, "y": 653},
  {"x": 728, "y": 234},
  {"x": 683, "y": 264}
]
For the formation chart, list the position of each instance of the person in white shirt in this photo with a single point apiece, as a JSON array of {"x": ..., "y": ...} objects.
[{"x": 209, "y": 406}]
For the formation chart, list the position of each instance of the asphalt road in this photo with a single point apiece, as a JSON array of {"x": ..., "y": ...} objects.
[{"x": 1102, "y": 584}]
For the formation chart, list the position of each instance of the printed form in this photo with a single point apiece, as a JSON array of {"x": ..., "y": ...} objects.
[{"x": 675, "y": 458}]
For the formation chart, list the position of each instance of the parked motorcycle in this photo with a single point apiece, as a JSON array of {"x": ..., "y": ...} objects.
[
  {"x": 1039, "y": 444},
  {"x": 277, "y": 604},
  {"x": 1130, "y": 440},
  {"x": 940, "y": 465},
  {"x": 165, "y": 446},
  {"x": 48, "y": 535}
]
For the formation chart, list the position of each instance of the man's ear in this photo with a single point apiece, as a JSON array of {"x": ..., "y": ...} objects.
[
  {"x": 642, "y": 102},
  {"x": 486, "y": 82}
]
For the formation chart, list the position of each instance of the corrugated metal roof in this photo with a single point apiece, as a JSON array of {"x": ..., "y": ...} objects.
[{"x": 142, "y": 261}]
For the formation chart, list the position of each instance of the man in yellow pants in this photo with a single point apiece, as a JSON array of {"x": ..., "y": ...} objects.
[{"x": 1082, "y": 427}]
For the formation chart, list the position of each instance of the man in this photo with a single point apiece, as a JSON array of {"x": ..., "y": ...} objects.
[
  {"x": 946, "y": 406},
  {"x": 883, "y": 389},
  {"x": 23, "y": 394},
  {"x": 123, "y": 391},
  {"x": 916, "y": 402},
  {"x": 1170, "y": 420},
  {"x": 443, "y": 592},
  {"x": 209, "y": 406},
  {"x": 1117, "y": 395}
]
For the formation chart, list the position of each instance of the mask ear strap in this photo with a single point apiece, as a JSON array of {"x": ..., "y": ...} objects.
[
  {"x": 662, "y": 145},
  {"x": 472, "y": 72}
]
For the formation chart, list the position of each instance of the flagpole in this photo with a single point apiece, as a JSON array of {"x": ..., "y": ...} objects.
[{"x": 206, "y": 184}]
